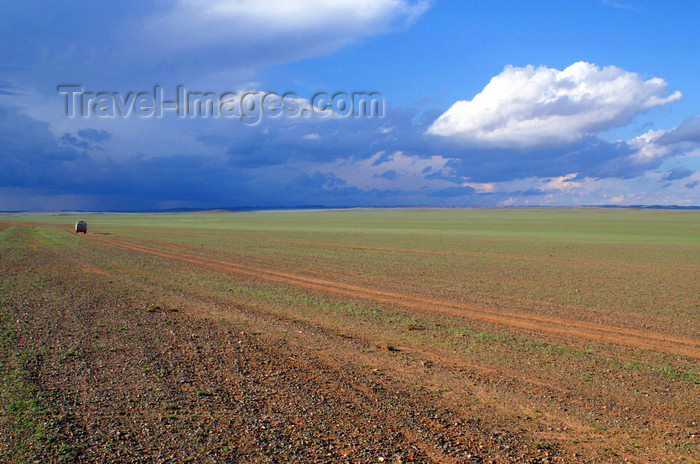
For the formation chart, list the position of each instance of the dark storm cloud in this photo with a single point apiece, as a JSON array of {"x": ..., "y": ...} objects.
[
  {"x": 452, "y": 192},
  {"x": 87, "y": 139},
  {"x": 678, "y": 173},
  {"x": 688, "y": 131},
  {"x": 32, "y": 158},
  {"x": 68, "y": 139},
  {"x": 281, "y": 142},
  {"x": 390, "y": 174},
  {"x": 268, "y": 163},
  {"x": 98, "y": 136}
]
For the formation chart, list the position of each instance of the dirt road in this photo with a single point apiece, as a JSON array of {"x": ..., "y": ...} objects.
[
  {"x": 129, "y": 369},
  {"x": 619, "y": 335}
]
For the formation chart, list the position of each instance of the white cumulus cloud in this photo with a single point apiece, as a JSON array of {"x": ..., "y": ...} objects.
[
  {"x": 647, "y": 148},
  {"x": 531, "y": 107}
]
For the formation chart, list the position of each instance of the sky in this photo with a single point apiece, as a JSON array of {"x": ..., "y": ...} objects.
[{"x": 497, "y": 103}]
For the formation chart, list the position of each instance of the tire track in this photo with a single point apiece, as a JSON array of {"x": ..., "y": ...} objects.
[
  {"x": 617, "y": 335},
  {"x": 327, "y": 273},
  {"x": 558, "y": 260}
]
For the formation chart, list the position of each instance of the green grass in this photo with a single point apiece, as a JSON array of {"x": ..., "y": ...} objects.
[
  {"x": 641, "y": 265},
  {"x": 25, "y": 414},
  {"x": 627, "y": 260},
  {"x": 544, "y": 226},
  {"x": 638, "y": 262},
  {"x": 638, "y": 268}
]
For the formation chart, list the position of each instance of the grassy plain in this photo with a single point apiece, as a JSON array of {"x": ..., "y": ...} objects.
[{"x": 574, "y": 332}]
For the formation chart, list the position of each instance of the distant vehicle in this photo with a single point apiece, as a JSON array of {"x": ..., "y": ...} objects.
[{"x": 81, "y": 226}]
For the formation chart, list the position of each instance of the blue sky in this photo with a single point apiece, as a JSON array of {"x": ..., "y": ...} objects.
[{"x": 499, "y": 103}]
